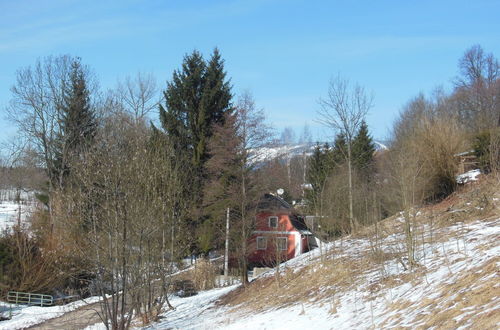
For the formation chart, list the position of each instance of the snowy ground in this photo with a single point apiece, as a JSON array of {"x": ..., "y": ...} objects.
[
  {"x": 469, "y": 249},
  {"x": 23, "y": 317},
  {"x": 456, "y": 285},
  {"x": 468, "y": 176},
  {"x": 9, "y": 210}
]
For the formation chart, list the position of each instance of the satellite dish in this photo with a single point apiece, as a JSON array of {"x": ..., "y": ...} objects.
[{"x": 280, "y": 191}]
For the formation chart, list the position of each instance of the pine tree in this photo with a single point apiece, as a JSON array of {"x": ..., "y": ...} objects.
[
  {"x": 363, "y": 150},
  {"x": 78, "y": 123}
]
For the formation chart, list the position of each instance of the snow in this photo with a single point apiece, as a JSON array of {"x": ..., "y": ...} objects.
[
  {"x": 468, "y": 176},
  {"x": 24, "y": 316},
  {"x": 9, "y": 210},
  {"x": 358, "y": 307},
  {"x": 466, "y": 248},
  {"x": 263, "y": 154},
  {"x": 380, "y": 146},
  {"x": 193, "y": 312}
]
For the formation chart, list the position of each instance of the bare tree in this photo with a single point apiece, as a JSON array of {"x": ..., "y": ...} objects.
[
  {"x": 236, "y": 180},
  {"x": 36, "y": 109},
  {"x": 139, "y": 94},
  {"x": 420, "y": 164},
  {"x": 343, "y": 111},
  {"x": 477, "y": 89},
  {"x": 121, "y": 219}
]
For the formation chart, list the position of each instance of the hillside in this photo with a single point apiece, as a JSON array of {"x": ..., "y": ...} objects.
[
  {"x": 362, "y": 281},
  {"x": 264, "y": 154}
]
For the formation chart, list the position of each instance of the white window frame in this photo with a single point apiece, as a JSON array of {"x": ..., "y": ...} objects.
[
  {"x": 269, "y": 221},
  {"x": 282, "y": 247},
  {"x": 262, "y": 238}
]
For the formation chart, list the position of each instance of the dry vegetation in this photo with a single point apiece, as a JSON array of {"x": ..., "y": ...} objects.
[{"x": 471, "y": 297}]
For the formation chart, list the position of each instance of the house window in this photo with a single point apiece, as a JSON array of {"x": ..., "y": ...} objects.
[
  {"x": 261, "y": 243},
  {"x": 273, "y": 222},
  {"x": 282, "y": 243}
]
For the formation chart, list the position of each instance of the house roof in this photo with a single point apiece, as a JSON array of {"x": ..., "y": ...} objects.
[
  {"x": 298, "y": 222},
  {"x": 275, "y": 203},
  {"x": 271, "y": 202}
]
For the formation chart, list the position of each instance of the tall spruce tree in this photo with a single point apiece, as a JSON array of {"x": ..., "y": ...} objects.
[
  {"x": 78, "y": 124},
  {"x": 196, "y": 99},
  {"x": 363, "y": 150}
]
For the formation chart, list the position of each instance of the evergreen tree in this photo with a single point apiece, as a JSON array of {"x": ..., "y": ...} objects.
[
  {"x": 78, "y": 123},
  {"x": 197, "y": 99},
  {"x": 339, "y": 151},
  {"x": 320, "y": 166},
  {"x": 363, "y": 150}
]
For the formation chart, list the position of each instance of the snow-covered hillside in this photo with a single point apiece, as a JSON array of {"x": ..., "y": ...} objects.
[
  {"x": 296, "y": 150},
  {"x": 361, "y": 283},
  {"x": 364, "y": 281}
]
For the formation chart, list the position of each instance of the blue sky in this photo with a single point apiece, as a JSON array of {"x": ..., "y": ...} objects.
[{"x": 284, "y": 51}]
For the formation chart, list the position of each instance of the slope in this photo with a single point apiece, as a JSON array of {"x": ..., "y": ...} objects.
[{"x": 363, "y": 281}]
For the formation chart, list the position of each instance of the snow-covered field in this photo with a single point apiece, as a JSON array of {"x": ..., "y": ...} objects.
[
  {"x": 436, "y": 289},
  {"x": 9, "y": 209}
]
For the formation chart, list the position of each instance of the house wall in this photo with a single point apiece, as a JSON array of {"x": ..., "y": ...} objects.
[{"x": 284, "y": 229}]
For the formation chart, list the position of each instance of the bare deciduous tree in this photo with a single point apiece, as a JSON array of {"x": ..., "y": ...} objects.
[
  {"x": 139, "y": 94},
  {"x": 37, "y": 102},
  {"x": 121, "y": 219},
  {"x": 477, "y": 89},
  {"x": 343, "y": 111}
]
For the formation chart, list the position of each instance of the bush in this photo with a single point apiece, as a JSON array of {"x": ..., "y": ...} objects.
[{"x": 486, "y": 148}]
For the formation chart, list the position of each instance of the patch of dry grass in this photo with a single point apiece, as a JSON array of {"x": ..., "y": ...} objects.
[
  {"x": 313, "y": 283},
  {"x": 203, "y": 275},
  {"x": 322, "y": 281},
  {"x": 476, "y": 292}
]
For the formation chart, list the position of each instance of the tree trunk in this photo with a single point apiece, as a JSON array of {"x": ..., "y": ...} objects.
[{"x": 349, "y": 167}]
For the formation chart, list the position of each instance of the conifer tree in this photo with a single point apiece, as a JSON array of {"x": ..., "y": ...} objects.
[
  {"x": 197, "y": 99},
  {"x": 320, "y": 166},
  {"x": 363, "y": 149},
  {"x": 339, "y": 149},
  {"x": 78, "y": 123}
]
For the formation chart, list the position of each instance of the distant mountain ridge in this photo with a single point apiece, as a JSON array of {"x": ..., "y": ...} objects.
[{"x": 264, "y": 154}]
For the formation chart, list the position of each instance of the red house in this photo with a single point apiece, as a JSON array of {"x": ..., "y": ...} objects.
[{"x": 280, "y": 233}]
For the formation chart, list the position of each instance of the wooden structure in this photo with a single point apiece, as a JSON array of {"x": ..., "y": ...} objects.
[{"x": 467, "y": 161}]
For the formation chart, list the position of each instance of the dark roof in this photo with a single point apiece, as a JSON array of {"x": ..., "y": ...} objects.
[
  {"x": 271, "y": 202},
  {"x": 298, "y": 222},
  {"x": 275, "y": 203}
]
